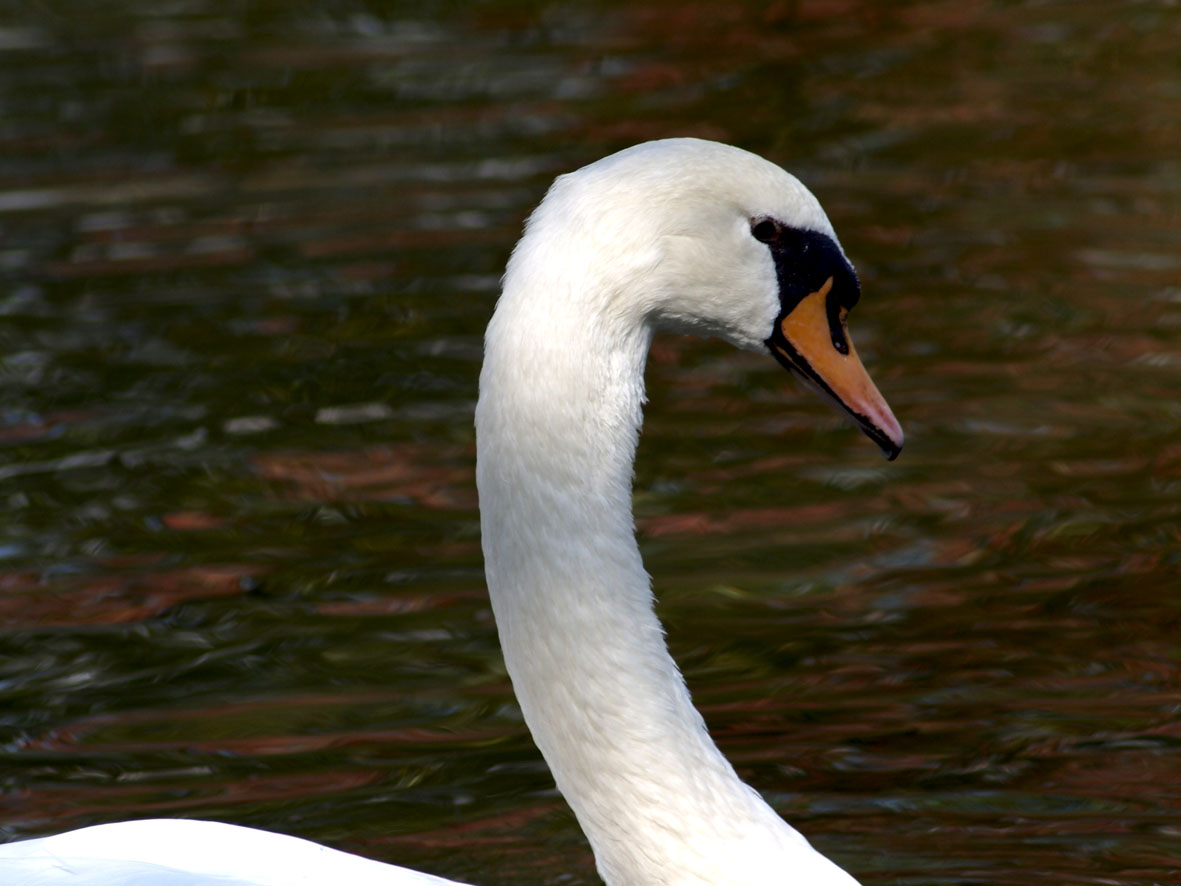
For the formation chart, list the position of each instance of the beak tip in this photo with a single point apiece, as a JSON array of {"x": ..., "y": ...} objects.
[{"x": 889, "y": 437}]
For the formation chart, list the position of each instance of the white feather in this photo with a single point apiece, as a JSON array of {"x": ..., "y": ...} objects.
[
  {"x": 657, "y": 236},
  {"x": 174, "y": 852}
]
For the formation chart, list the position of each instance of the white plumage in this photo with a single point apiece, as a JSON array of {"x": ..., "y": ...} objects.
[{"x": 658, "y": 236}]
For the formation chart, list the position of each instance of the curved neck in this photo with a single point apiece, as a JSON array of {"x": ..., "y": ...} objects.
[{"x": 561, "y": 393}]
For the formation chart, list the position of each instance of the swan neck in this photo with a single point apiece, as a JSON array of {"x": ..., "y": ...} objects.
[{"x": 557, "y": 427}]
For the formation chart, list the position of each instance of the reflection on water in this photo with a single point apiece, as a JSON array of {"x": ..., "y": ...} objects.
[{"x": 248, "y": 258}]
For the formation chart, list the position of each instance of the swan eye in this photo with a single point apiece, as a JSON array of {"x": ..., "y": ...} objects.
[{"x": 765, "y": 231}]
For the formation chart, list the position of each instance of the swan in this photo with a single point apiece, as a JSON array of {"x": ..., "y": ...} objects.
[{"x": 679, "y": 234}]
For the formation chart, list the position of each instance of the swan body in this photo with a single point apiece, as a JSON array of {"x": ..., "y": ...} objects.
[
  {"x": 184, "y": 852},
  {"x": 679, "y": 234}
]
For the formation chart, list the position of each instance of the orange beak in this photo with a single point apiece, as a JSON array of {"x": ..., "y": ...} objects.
[{"x": 807, "y": 342}]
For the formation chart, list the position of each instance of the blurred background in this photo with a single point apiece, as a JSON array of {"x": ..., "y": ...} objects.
[{"x": 247, "y": 252}]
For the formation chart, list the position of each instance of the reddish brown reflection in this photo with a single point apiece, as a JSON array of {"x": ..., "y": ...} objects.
[
  {"x": 27, "y": 601},
  {"x": 405, "y": 470}
]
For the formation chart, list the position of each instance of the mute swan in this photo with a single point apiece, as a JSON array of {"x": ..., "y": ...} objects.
[{"x": 679, "y": 234}]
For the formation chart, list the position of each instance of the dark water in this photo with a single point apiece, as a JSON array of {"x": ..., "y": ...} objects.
[{"x": 247, "y": 257}]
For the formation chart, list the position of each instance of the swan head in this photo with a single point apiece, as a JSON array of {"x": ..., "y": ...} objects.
[{"x": 709, "y": 239}]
